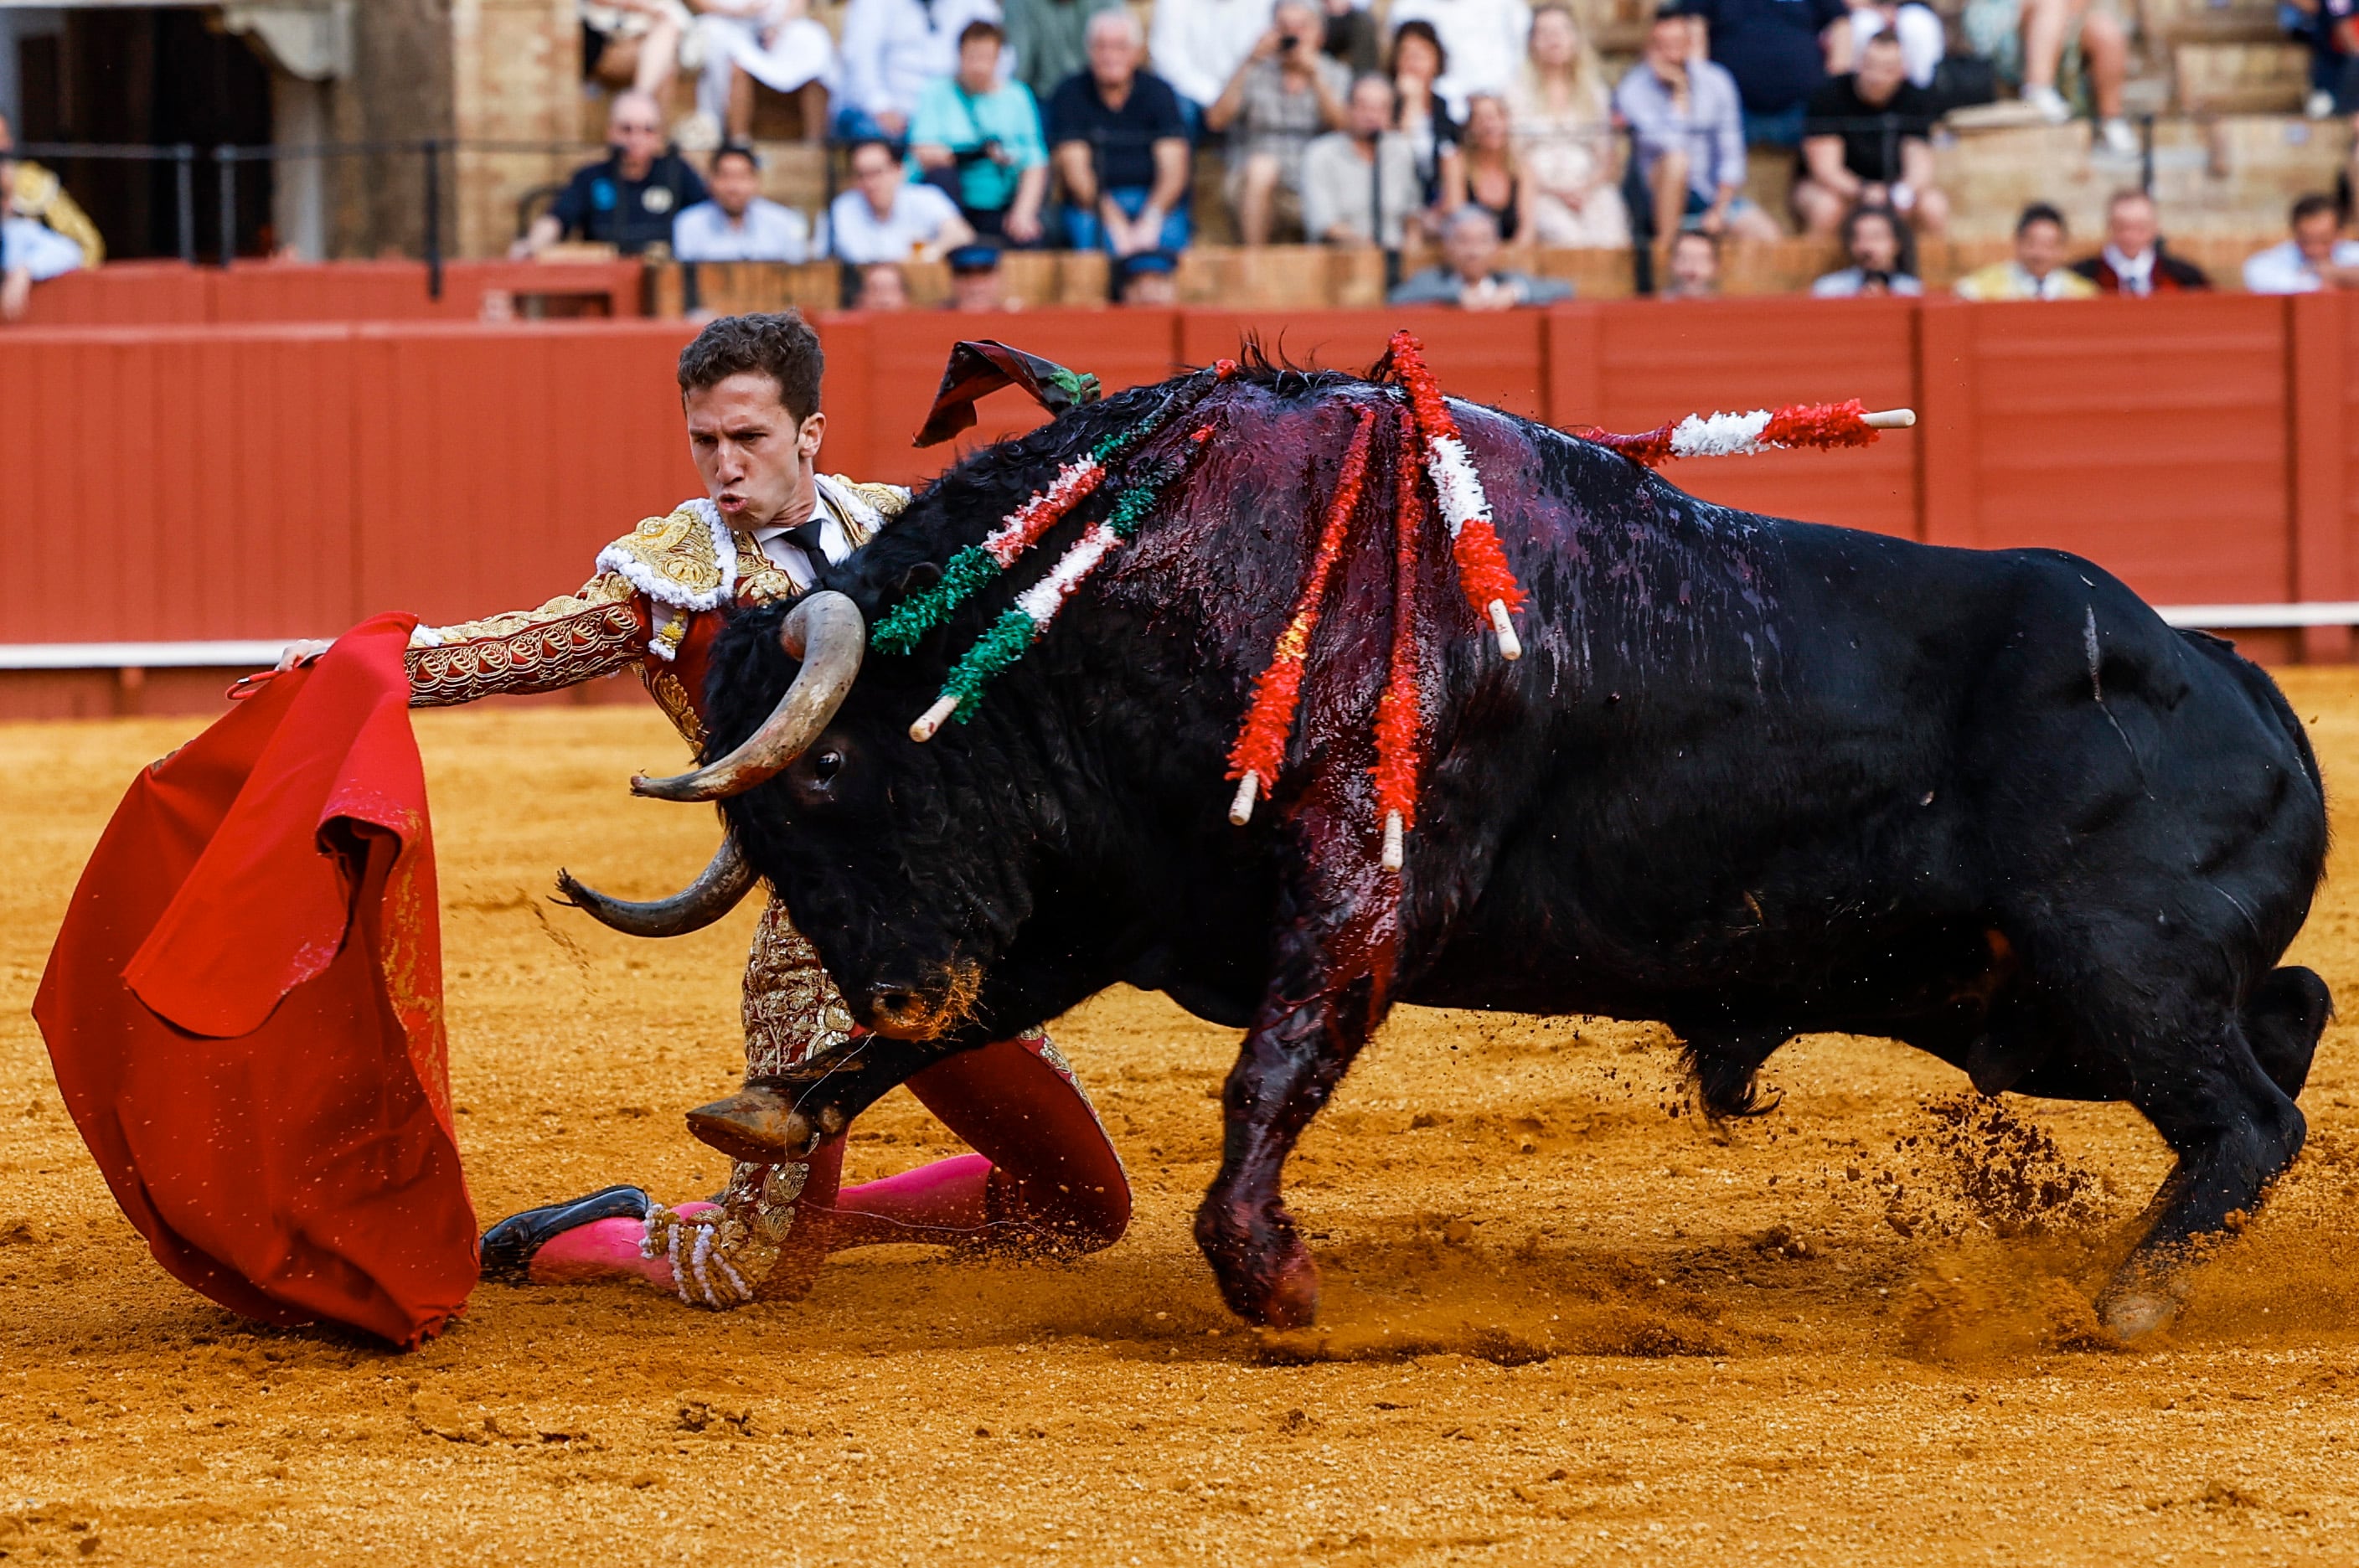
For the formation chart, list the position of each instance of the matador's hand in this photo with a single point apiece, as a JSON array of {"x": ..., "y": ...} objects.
[{"x": 301, "y": 652}]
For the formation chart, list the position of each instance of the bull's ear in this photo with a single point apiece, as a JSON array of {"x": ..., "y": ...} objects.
[{"x": 919, "y": 578}]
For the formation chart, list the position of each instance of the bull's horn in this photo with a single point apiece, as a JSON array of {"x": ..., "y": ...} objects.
[
  {"x": 718, "y": 889},
  {"x": 827, "y": 632}
]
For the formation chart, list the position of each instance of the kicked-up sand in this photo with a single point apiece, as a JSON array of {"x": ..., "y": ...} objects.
[{"x": 1564, "y": 1320}]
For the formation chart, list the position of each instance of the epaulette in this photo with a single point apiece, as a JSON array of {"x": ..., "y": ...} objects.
[
  {"x": 867, "y": 507},
  {"x": 687, "y": 561}
]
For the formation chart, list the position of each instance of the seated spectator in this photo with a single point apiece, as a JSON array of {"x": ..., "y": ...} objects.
[
  {"x": 1692, "y": 268},
  {"x": 1048, "y": 39},
  {"x": 1149, "y": 277},
  {"x": 1420, "y": 114},
  {"x": 31, "y": 253},
  {"x": 776, "y": 43},
  {"x": 1876, "y": 244},
  {"x": 1688, "y": 133},
  {"x": 2134, "y": 260},
  {"x": 1121, "y": 148},
  {"x": 1472, "y": 278},
  {"x": 739, "y": 224},
  {"x": 2029, "y": 41},
  {"x": 882, "y": 288},
  {"x": 1351, "y": 39},
  {"x": 1282, "y": 94},
  {"x": 1777, "y": 51},
  {"x": 891, "y": 49},
  {"x": 2038, "y": 270},
  {"x": 1341, "y": 179},
  {"x": 884, "y": 218},
  {"x": 1482, "y": 40},
  {"x": 981, "y": 141},
  {"x": 2329, "y": 30},
  {"x": 630, "y": 199},
  {"x": 1922, "y": 41},
  {"x": 1865, "y": 142},
  {"x": 2316, "y": 258},
  {"x": 1564, "y": 136},
  {"x": 976, "y": 286},
  {"x": 1489, "y": 176},
  {"x": 1199, "y": 44},
  {"x": 633, "y": 44},
  {"x": 28, "y": 191}
]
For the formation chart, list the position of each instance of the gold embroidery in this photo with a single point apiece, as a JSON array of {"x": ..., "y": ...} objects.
[
  {"x": 671, "y": 692},
  {"x": 672, "y": 558},
  {"x": 564, "y": 642}
]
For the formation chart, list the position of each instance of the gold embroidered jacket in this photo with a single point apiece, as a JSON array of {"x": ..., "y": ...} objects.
[{"x": 648, "y": 606}]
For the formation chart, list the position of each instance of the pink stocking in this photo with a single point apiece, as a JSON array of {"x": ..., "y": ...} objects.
[
  {"x": 939, "y": 1202},
  {"x": 603, "y": 1249}
]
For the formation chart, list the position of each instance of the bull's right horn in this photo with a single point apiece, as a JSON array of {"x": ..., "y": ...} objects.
[
  {"x": 719, "y": 888},
  {"x": 827, "y": 632}
]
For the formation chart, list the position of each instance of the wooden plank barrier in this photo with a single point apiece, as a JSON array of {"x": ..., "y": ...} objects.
[{"x": 178, "y": 483}]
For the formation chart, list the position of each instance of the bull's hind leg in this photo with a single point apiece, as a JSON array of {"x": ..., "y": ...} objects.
[
  {"x": 2234, "y": 1131},
  {"x": 2287, "y": 1012}
]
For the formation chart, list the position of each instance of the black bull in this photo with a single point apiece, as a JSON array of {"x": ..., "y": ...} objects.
[{"x": 1751, "y": 779}]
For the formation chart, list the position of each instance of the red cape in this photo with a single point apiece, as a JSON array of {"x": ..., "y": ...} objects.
[{"x": 245, "y": 1008}]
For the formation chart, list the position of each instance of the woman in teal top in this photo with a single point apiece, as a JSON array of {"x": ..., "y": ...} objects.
[{"x": 979, "y": 139}]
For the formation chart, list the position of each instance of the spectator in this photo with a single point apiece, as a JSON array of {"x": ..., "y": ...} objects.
[
  {"x": 2330, "y": 33},
  {"x": 1418, "y": 62},
  {"x": 981, "y": 141},
  {"x": 630, "y": 199},
  {"x": 1048, "y": 39},
  {"x": 1121, "y": 148},
  {"x": 1341, "y": 180},
  {"x": 776, "y": 43},
  {"x": 1693, "y": 267},
  {"x": 976, "y": 286},
  {"x": 738, "y": 223},
  {"x": 2315, "y": 258},
  {"x": 1352, "y": 40},
  {"x": 2133, "y": 261},
  {"x": 2029, "y": 42},
  {"x": 28, "y": 191},
  {"x": 1865, "y": 142},
  {"x": 1284, "y": 94},
  {"x": 1199, "y": 44},
  {"x": 1472, "y": 278},
  {"x": 884, "y": 218},
  {"x": 1481, "y": 42},
  {"x": 1777, "y": 51},
  {"x": 1489, "y": 176},
  {"x": 1149, "y": 277},
  {"x": 1922, "y": 41},
  {"x": 31, "y": 253},
  {"x": 1688, "y": 132},
  {"x": 1564, "y": 136},
  {"x": 882, "y": 288},
  {"x": 2038, "y": 271},
  {"x": 634, "y": 45},
  {"x": 891, "y": 49},
  {"x": 1876, "y": 244}
]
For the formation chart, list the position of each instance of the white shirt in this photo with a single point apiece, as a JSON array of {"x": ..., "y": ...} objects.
[
  {"x": 785, "y": 554},
  {"x": 2136, "y": 273},
  {"x": 767, "y": 232},
  {"x": 893, "y": 48},
  {"x": 860, "y": 236},
  {"x": 1923, "y": 43},
  {"x": 1197, "y": 45},
  {"x": 1483, "y": 38},
  {"x": 37, "y": 249},
  {"x": 2283, "y": 269}
]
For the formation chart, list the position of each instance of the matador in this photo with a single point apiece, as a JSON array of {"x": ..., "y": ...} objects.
[{"x": 1044, "y": 1175}]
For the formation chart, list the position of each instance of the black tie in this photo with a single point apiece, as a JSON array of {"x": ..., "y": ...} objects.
[{"x": 805, "y": 538}]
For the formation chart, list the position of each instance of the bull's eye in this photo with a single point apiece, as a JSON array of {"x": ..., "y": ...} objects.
[{"x": 826, "y": 766}]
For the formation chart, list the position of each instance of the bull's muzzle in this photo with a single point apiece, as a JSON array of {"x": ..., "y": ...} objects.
[{"x": 827, "y": 632}]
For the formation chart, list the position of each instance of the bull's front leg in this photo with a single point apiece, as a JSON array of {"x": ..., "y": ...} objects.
[{"x": 1304, "y": 1038}]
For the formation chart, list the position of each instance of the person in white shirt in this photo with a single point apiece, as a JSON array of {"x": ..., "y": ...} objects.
[
  {"x": 884, "y": 218},
  {"x": 2316, "y": 258},
  {"x": 1922, "y": 41},
  {"x": 30, "y": 252},
  {"x": 775, "y": 42},
  {"x": 1483, "y": 38},
  {"x": 891, "y": 49},
  {"x": 1197, "y": 45},
  {"x": 737, "y": 223},
  {"x": 1341, "y": 183}
]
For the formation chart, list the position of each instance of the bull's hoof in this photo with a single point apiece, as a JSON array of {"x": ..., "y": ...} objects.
[
  {"x": 1293, "y": 1299},
  {"x": 2133, "y": 1314},
  {"x": 759, "y": 1126}
]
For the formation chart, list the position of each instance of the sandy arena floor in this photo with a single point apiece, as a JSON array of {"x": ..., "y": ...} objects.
[{"x": 1563, "y": 1323}]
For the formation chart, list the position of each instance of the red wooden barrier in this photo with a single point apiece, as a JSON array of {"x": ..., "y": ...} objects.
[
  {"x": 261, "y": 482},
  {"x": 160, "y": 293}
]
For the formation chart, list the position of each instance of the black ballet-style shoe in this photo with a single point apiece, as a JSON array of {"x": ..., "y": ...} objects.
[{"x": 509, "y": 1247}]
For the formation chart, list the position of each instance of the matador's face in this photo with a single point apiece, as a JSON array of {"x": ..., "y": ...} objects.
[{"x": 754, "y": 457}]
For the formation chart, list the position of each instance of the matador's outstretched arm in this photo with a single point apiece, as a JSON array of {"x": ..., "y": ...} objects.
[{"x": 602, "y": 629}]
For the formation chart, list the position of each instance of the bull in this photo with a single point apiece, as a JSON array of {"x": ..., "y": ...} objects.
[{"x": 1751, "y": 779}]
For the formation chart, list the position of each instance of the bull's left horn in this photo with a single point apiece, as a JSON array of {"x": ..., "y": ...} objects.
[
  {"x": 719, "y": 888},
  {"x": 827, "y": 632}
]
